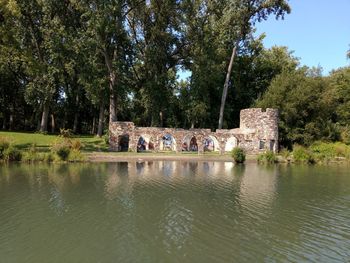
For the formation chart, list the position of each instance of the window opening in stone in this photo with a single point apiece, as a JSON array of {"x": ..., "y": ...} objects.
[
  {"x": 123, "y": 144},
  {"x": 261, "y": 145}
]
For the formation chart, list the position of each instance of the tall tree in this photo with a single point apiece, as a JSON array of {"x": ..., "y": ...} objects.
[
  {"x": 239, "y": 19},
  {"x": 104, "y": 23},
  {"x": 154, "y": 27}
]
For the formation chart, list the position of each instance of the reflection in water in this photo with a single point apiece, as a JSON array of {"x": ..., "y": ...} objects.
[
  {"x": 56, "y": 201},
  {"x": 168, "y": 211},
  {"x": 176, "y": 225}
]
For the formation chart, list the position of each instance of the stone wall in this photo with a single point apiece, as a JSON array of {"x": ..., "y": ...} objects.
[{"x": 258, "y": 132}]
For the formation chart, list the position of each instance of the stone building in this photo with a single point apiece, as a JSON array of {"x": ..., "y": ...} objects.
[{"x": 258, "y": 132}]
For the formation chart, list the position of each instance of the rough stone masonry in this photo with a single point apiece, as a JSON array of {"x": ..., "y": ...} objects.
[{"x": 257, "y": 133}]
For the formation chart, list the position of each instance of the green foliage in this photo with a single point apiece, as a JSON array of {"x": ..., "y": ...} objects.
[
  {"x": 11, "y": 154},
  {"x": 66, "y": 133},
  {"x": 267, "y": 157},
  {"x": 302, "y": 155},
  {"x": 324, "y": 151},
  {"x": 62, "y": 148},
  {"x": 75, "y": 144},
  {"x": 68, "y": 149},
  {"x": 4, "y": 145},
  {"x": 285, "y": 153},
  {"x": 238, "y": 154},
  {"x": 62, "y": 63},
  {"x": 106, "y": 137},
  {"x": 306, "y": 111},
  {"x": 75, "y": 156}
]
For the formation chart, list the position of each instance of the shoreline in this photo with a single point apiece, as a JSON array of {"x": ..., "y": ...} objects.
[{"x": 125, "y": 157}]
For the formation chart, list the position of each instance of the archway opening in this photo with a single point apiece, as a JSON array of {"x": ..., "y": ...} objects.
[
  {"x": 145, "y": 143},
  {"x": 141, "y": 145},
  {"x": 167, "y": 143},
  {"x": 211, "y": 144},
  {"x": 231, "y": 143},
  {"x": 189, "y": 144},
  {"x": 123, "y": 143}
]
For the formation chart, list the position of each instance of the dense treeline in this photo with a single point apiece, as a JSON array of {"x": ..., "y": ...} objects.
[
  {"x": 79, "y": 64},
  {"x": 312, "y": 107}
]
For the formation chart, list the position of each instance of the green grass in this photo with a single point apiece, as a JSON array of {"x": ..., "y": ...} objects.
[{"x": 23, "y": 141}]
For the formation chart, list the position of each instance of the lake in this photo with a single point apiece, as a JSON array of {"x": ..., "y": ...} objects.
[{"x": 172, "y": 211}]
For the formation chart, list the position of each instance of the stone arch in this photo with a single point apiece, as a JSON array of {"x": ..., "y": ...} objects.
[
  {"x": 231, "y": 143},
  {"x": 189, "y": 143},
  {"x": 145, "y": 142},
  {"x": 211, "y": 144},
  {"x": 167, "y": 142},
  {"x": 123, "y": 142}
]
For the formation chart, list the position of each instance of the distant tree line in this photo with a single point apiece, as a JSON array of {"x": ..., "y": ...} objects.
[{"x": 80, "y": 64}]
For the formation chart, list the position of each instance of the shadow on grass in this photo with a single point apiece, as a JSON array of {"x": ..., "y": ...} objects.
[
  {"x": 94, "y": 146},
  {"x": 27, "y": 146}
]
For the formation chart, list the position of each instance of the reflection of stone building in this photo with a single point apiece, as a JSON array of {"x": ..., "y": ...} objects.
[{"x": 258, "y": 132}]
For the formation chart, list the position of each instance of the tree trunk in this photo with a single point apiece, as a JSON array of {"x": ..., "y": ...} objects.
[
  {"x": 4, "y": 122},
  {"x": 11, "y": 122},
  {"x": 100, "y": 120},
  {"x": 161, "y": 118},
  {"x": 112, "y": 104},
  {"x": 44, "y": 117},
  {"x": 112, "y": 82},
  {"x": 93, "y": 125},
  {"x": 224, "y": 92},
  {"x": 64, "y": 120},
  {"x": 52, "y": 123},
  {"x": 75, "y": 124},
  {"x": 76, "y": 114}
]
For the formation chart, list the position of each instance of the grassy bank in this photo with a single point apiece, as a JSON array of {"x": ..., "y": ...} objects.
[
  {"x": 318, "y": 152},
  {"x": 41, "y": 147},
  {"x": 43, "y": 142}
]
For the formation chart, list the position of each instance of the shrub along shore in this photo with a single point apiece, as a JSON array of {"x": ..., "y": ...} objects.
[{"x": 36, "y": 147}]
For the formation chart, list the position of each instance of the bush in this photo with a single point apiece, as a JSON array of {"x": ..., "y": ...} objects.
[
  {"x": 62, "y": 149},
  {"x": 68, "y": 150},
  {"x": 326, "y": 151},
  {"x": 63, "y": 152},
  {"x": 48, "y": 157},
  {"x": 4, "y": 144},
  {"x": 32, "y": 155},
  {"x": 11, "y": 154},
  {"x": 75, "y": 144},
  {"x": 66, "y": 133},
  {"x": 303, "y": 155},
  {"x": 267, "y": 157},
  {"x": 75, "y": 156},
  {"x": 345, "y": 135},
  {"x": 238, "y": 154},
  {"x": 106, "y": 136},
  {"x": 285, "y": 153}
]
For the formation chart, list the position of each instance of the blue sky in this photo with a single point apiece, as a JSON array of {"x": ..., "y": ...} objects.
[{"x": 318, "y": 31}]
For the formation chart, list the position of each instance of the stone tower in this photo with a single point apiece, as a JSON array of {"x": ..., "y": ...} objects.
[{"x": 264, "y": 125}]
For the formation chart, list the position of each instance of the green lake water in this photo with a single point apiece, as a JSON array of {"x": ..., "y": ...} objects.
[{"x": 171, "y": 211}]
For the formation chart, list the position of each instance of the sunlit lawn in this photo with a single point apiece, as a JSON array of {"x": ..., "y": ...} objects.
[{"x": 23, "y": 140}]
